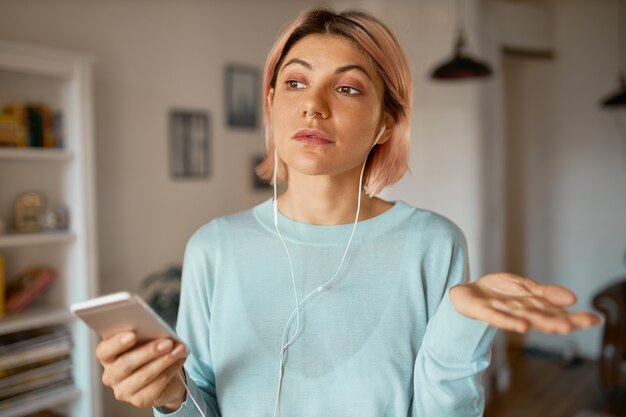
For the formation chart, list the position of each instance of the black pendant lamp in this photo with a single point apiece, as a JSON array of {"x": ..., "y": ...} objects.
[
  {"x": 618, "y": 98},
  {"x": 461, "y": 65}
]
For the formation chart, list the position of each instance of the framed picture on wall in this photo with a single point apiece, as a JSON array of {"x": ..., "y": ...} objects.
[
  {"x": 242, "y": 96},
  {"x": 189, "y": 144}
]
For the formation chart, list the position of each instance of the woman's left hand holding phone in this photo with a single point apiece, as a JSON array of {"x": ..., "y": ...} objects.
[{"x": 144, "y": 375}]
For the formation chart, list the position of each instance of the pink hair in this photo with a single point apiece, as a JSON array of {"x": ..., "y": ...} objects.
[{"x": 388, "y": 161}]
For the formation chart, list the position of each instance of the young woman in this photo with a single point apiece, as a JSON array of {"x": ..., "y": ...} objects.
[{"x": 324, "y": 301}]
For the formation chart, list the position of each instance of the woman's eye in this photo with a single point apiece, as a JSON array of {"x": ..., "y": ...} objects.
[
  {"x": 294, "y": 85},
  {"x": 349, "y": 91}
]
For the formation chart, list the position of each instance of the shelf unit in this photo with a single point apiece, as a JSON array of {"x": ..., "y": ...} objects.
[
  {"x": 27, "y": 154},
  {"x": 33, "y": 239},
  {"x": 38, "y": 316},
  {"x": 49, "y": 400},
  {"x": 62, "y": 79}
]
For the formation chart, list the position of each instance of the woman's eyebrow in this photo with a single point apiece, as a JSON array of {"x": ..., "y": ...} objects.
[
  {"x": 339, "y": 70},
  {"x": 350, "y": 67},
  {"x": 297, "y": 61}
]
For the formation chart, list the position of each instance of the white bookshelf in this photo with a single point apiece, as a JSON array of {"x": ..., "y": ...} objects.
[
  {"x": 52, "y": 399},
  {"x": 38, "y": 316},
  {"x": 27, "y": 154},
  {"x": 63, "y": 80},
  {"x": 34, "y": 239}
]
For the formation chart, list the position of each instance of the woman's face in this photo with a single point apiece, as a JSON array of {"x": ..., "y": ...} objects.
[{"x": 332, "y": 78}]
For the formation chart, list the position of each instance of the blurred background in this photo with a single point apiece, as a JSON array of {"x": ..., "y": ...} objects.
[{"x": 526, "y": 161}]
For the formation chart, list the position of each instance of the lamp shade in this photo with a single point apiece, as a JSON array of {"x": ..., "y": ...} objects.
[
  {"x": 617, "y": 99},
  {"x": 461, "y": 65}
]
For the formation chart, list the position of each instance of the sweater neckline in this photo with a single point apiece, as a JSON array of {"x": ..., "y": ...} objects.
[{"x": 295, "y": 231}]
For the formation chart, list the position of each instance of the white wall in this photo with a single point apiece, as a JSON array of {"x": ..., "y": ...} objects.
[
  {"x": 446, "y": 153},
  {"x": 584, "y": 239},
  {"x": 567, "y": 155}
]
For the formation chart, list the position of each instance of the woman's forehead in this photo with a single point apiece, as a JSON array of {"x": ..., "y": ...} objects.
[{"x": 319, "y": 50}]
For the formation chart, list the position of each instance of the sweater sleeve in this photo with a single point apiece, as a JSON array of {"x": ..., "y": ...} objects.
[
  {"x": 194, "y": 316},
  {"x": 455, "y": 351}
]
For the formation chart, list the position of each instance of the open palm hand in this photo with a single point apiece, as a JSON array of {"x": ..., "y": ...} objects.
[{"x": 515, "y": 303}]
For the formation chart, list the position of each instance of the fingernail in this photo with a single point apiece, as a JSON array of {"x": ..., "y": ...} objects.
[
  {"x": 125, "y": 340},
  {"x": 165, "y": 345},
  {"x": 179, "y": 351}
]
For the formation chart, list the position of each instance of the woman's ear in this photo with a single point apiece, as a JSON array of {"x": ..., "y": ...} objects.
[
  {"x": 270, "y": 100},
  {"x": 389, "y": 125}
]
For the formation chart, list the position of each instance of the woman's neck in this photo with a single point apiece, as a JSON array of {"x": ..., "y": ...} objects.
[{"x": 325, "y": 200}]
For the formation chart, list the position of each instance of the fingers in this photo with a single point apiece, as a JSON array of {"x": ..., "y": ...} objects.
[
  {"x": 521, "y": 321},
  {"x": 544, "y": 317},
  {"x": 584, "y": 319},
  {"x": 109, "y": 349},
  {"x": 505, "y": 321},
  {"x": 164, "y": 389},
  {"x": 516, "y": 303},
  {"x": 539, "y": 314},
  {"x": 144, "y": 386},
  {"x": 557, "y": 295},
  {"x": 548, "y": 322},
  {"x": 539, "y": 304},
  {"x": 127, "y": 363}
]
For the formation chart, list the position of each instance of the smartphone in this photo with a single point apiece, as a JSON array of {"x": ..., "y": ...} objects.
[{"x": 122, "y": 312}]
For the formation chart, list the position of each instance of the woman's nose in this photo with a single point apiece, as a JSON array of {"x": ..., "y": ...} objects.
[{"x": 315, "y": 104}]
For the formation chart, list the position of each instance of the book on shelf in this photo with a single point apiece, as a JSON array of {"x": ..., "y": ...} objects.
[
  {"x": 45, "y": 413},
  {"x": 29, "y": 125},
  {"x": 2, "y": 283},
  {"x": 34, "y": 363},
  {"x": 25, "y": 289},
  {"x": 29, "y": 384},
  {"x": 31, "y": 346},
  {"x": 5, "y": 373},
  {"x": 39, "y": 372},
  {"x": 36, "y": 394}
]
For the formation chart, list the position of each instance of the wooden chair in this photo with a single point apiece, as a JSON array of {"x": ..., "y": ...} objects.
[{"x": 612, "y": 303}]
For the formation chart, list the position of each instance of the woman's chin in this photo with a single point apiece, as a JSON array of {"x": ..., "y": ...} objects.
[
  {"x": 312, "y": 165},
  {"x": 317, "y": 166},
  {"x": 312, "y": 171}
]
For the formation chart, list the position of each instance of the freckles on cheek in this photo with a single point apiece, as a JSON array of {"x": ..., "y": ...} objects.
[
  {"x": 284, "y": 108},
  {"x": 284, "y": 120}
]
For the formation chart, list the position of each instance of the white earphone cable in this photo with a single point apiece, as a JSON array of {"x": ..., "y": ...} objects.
[
  {"x": 319, "y": 289},
  {"x": 182, "y": 378},
  {"x": 293, "y": 277}
]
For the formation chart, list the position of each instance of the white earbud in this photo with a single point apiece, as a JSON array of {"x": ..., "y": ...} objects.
[{"x": 378, "y": 136}]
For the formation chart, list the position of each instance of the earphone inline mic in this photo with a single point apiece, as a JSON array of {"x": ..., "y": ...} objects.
[{"x": 319, "y": 289}]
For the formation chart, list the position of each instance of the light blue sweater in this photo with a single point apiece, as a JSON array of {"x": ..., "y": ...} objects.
[{"x": 382, "y": 341}]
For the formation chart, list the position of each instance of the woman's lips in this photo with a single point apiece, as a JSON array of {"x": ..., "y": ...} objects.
[{"x": 312, "y": 137}]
